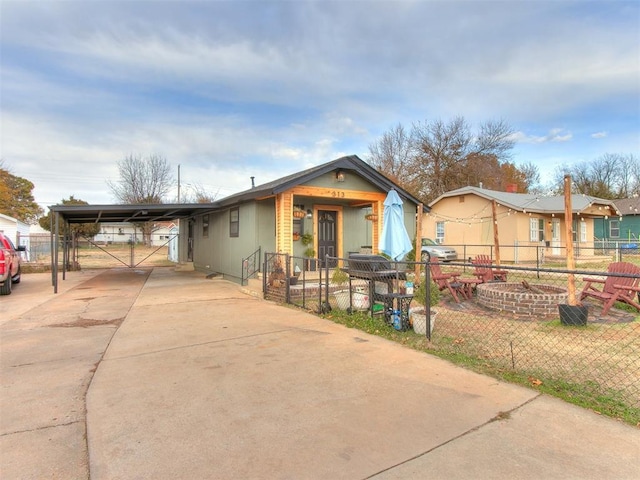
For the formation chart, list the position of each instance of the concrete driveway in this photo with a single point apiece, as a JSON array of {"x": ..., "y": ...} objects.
[{"x": 137, "y": 374}]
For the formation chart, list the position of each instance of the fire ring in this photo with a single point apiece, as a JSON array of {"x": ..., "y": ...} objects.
[{"x": 533, "y": 300}]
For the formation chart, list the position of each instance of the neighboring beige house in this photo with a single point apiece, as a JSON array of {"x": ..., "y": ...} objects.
[
  {"x": 528, "y": 226},
  {"x": 124, "y": 232}
]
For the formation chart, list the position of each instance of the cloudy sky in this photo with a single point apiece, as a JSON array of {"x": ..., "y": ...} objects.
[{"x": 234, "y": 89}]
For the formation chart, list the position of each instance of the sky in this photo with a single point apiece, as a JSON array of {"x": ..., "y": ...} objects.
[{"x": 229, "y": 90}]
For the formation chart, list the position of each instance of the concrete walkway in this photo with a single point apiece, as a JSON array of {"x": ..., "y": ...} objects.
[{"x": 203, "y": 381}]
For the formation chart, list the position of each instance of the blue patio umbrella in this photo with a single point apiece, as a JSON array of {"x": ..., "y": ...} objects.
[{"x": 394, "y": 240}]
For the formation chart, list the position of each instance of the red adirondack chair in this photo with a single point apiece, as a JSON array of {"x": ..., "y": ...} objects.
[
  {"x": 486, "y": 272},
  {"x": 458, "y": 287},
  {"x": 615, "y": 289}
]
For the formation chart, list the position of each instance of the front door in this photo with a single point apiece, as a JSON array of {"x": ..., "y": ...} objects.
[{"x": 327, "y": 241}]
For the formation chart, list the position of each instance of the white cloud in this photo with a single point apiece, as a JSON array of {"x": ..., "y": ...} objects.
[
  {"x": 231, "y": 90},
  {"x": 554, "y": 135}
]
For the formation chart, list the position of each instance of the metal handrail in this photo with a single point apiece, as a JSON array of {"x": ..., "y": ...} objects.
[{"x": 250, "y": 266}]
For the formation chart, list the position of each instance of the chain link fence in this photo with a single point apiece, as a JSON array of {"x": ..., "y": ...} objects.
[
  {"x": 512, "y": 323},
  {"x": 129, "y": 252}
]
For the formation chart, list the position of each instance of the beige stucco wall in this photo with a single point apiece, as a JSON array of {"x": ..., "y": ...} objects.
[{"x": 469, "y": 228}]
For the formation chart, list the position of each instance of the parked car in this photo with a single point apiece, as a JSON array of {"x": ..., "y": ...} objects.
[
  {"x": 433, "y": 249},
  {"x": 9, "y": 264}
]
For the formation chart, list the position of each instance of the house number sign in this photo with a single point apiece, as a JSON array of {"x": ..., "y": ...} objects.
[{"x": 337, "y": 194}]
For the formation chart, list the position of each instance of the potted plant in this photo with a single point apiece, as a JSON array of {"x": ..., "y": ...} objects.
[
  {"x": 296, "y": 273},
  {"x": 347, "y": 300},
  {"x": 310, "y": 253},
  {"x": 418, "y": 314}
]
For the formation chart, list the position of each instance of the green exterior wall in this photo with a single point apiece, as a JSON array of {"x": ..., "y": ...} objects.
[{"x": 218, "y": 252}]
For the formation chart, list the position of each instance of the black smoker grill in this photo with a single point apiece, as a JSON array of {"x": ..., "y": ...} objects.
[{"x": 377, "y": 271}]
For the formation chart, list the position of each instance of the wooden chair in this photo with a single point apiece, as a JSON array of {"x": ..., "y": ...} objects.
[
  {"x": 449, "y": 281},
  {"x": 615, "y": 289},
  {"x": 486, "y": 272}
]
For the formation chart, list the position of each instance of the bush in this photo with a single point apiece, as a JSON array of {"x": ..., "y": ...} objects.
[{"x": 420, "y": 293}]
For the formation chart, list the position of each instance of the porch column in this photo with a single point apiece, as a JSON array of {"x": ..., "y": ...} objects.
[{"x": 284, "y": 222}]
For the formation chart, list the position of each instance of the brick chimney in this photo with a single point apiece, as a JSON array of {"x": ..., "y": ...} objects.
[{"x": 512, "y": 188}]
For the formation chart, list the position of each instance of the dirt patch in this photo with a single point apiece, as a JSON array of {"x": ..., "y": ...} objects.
[{"x": 88, "y": 322}]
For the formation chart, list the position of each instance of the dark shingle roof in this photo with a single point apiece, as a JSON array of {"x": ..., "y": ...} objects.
[
  {"x": 628, "y": 206},
  {"x": 349, "y": 163}
]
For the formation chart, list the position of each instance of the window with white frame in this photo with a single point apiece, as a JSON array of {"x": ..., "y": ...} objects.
[
  {"x": 439, "y": 232},
  {"x": 536, "y": 229},
  {"x": 614, "y": 229},
  {"x": 583, "y": 231}
]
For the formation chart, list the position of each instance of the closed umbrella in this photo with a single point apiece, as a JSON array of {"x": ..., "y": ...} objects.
[{"x": 394, "y": 240}]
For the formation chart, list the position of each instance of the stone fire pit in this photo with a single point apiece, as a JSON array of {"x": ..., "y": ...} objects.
[{"x": 533, "y": 300}]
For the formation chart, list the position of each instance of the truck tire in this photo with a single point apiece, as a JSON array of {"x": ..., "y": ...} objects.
[
  {"x": 5, "y": 289},
  {"x": 16, "y": 279}
]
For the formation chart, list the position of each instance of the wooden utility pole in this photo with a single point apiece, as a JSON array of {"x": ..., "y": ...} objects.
[
  {"x": 568, "y": 232},
  {"x": 496, "y": 239},
  {"x": 418, "y": 240}
]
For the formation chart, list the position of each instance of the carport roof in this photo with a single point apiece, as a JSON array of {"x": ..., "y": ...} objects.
[{"x": 130, "y": 213}]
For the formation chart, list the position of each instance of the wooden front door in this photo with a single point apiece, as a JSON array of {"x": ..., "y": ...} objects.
[{"x": 327, "y": 240}]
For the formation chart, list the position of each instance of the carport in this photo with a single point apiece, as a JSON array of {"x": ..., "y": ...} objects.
[{"x": 65, "y": 215}]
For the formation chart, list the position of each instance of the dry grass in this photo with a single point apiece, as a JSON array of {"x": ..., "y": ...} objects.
[{"x": 111, "y": 256}]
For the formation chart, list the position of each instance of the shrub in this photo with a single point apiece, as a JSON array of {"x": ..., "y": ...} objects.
[{"x": 420, "y": 293}]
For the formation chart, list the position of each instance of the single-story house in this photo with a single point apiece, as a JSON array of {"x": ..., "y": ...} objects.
[
  {"x": 527, "y": 225},
  {"x": 332, "y": 209},
  {"x": 16, "y": 230},
  {"x": 624, "y": 227},
  {"x": 125, "y": 232}
]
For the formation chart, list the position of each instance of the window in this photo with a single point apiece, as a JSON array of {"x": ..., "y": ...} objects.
[
  {"x": 583, "y": 231},
  {"x": 439, "y": 232},
  {"x": 297, "y": 227},
  {"x": 205, "y": 226},
  {"x": 614, "y": 229},
  {"x": 234, "y": 222},
  {"x": 536, "y": 229}
]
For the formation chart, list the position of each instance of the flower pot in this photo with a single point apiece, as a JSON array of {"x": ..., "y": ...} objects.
[
  {"x": 360, "y": 300},
  {"x": 419, "y": 320},
  {"x": 575, "y": 315}
]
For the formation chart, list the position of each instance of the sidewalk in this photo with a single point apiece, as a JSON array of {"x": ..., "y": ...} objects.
[{"x": 203, "y": 381}]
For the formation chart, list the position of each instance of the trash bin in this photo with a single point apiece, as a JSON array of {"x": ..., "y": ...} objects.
[{"x": 629, "y": 247}]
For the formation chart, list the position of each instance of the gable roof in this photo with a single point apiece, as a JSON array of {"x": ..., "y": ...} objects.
[
  {"x": 628, "y": 206},
  {"x": 168, "y": 212},
  {"x": 529, "y": 202},
  {"x": 349, "y": 163}
]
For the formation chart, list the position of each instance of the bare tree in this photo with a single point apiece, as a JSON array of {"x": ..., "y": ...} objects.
[
  {"x": 449, "y": 155},
  {"x": 392, "y": 155},
  {"x": 610, "y": 176},
  {"x": 142, "y": 180},
  {"x": 439, "y": 156},
  {"x": 197, "y": 193}
]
